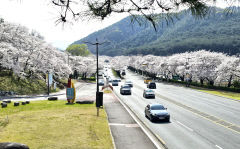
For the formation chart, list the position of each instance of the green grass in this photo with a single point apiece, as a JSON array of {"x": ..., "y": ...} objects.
[
  {"x": 114, "y": 73},
  {"x": 22, "y": 86},
  {"x": 223, "y": 93},
  {"x": 52, "y": 124}
]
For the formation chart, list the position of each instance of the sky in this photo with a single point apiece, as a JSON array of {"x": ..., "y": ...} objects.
[{"x": 40, "y": 15}]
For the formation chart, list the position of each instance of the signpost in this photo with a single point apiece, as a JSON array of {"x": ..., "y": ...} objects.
[{"x": 70, "y": 92}]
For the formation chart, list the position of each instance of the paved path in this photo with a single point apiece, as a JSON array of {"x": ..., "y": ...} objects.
[{"x": 126, "y": 133}]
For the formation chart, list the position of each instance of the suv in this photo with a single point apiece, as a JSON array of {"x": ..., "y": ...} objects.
[{"x": 151, "y": 85}]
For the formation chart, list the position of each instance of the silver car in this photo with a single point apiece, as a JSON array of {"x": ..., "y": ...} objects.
[
  {"x": 125, "y": 89},
  {"x": 129, "y": 83},
  {"x": 148, "y": 93},
  {"x": 156, "y": 112}
]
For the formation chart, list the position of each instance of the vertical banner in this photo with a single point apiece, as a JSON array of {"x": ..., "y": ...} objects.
[{"x": 50, "y": 78}]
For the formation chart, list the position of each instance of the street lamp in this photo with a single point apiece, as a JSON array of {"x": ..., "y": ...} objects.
[{"x": 97, "y": 93}]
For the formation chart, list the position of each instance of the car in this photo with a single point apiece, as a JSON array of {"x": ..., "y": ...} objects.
[
  {"x": 114, "y": 82},
  {"x": 129, "y": 83},
  {"x": 156, "y": 112},
  {"x": 101, "y": 82},
  {"x": 109, "y": 79},
  {"x": 151, "y": 85},
  {"x": 125, "y": 89},
  {"x": 119, "y": 80},
  {"x": 147, "y": 79},
  {"x": 148, "y": 93}
]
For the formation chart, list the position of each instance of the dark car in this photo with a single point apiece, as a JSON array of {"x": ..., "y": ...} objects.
[
  {"x": 151, "y": 85},
  {"x": 148, "y": 93},
  {"x": 114, "y": 82},
  {"x": 129, "y": 83},
  {"x": 157, "y": 112},
  {"x": 125, "y": 90}
]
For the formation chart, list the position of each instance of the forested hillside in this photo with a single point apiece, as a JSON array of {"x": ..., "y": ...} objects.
[{"x": 218, "y": 32}]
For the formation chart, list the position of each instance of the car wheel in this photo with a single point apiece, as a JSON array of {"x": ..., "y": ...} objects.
[
  {"x": 151, "y": 119},
  {"x": 168, "y": 119}
]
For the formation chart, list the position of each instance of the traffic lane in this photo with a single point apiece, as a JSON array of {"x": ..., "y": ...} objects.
[
  {"x": 169, "y": 132},
  {"x": 210, "y": 132},
  {"x": 213, "y": 133},
  {"x": 220, "y": 107}
]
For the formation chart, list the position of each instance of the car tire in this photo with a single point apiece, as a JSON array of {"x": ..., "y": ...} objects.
[
  {"x": 168, "y": 119},
  {"x": 151, "y": 119}
]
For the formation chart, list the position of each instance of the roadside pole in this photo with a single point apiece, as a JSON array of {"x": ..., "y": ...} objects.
[
  {"x": 48, "y": 82},
  {"x": 99, "y": 95}
]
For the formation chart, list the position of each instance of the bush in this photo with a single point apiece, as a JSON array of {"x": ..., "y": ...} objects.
[{"x": 236, "y": 84}]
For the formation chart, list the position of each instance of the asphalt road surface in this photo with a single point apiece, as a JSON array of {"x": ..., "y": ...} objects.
[{"x": 198, "y": 120}]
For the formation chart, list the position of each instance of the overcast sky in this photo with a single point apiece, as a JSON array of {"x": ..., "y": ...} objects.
[{"x": 40, "y": 15}]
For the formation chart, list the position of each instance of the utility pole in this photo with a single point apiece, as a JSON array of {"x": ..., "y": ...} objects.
[{"x": 97, "y": 93}]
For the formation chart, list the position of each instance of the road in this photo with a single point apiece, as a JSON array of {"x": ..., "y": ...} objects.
[
  {"x": 84, "y": 91},
  {"x": 198, "y": 120}
]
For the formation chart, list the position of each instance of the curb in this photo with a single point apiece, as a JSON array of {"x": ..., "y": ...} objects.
[
  {"x": 113, "y": 141},
  {"x": 142, "y": 125}
]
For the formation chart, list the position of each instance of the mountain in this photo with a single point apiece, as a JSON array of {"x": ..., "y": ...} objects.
[{"x": 217, "y": 32}]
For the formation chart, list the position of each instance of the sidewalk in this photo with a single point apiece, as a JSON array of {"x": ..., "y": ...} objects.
[{"x": 126, "y": 133}]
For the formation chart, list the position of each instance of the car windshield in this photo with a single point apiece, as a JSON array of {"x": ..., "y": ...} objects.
[
  {"x": 125, "y": 86},
  {"x": 157, "y": 107},
  {"x": 149, "y": 91},
  {"x": 115, "y": 80}
]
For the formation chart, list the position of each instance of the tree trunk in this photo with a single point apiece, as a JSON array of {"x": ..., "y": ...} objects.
[
  {"x": 211, "y": 83},
  {"x": 201, "y": 81},
  {"x": 230, "y": 81}
]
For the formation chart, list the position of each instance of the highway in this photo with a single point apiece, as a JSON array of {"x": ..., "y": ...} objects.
[{"x": 198, "y": 120}]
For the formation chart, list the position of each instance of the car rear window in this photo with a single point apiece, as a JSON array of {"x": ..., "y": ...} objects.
[{"x": 157, "y": 107}]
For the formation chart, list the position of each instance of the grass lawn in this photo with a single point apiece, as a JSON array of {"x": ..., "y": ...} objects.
[
  {"x": 223, "y": 93},
  {"x": 54, "y": 125}
]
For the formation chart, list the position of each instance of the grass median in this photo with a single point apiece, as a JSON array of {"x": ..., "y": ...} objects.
[
  {"x": 232, "y": 95},
  {"x": 54, "y": 125}
]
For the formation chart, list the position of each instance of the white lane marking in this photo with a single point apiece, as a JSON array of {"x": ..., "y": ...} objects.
[
  {"x": 139, "y": 123},
  {"x": 184, "y": 126},
  {"x": 218, "y": 147}
]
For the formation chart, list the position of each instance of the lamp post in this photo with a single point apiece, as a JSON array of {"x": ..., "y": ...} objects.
[{"x": 97, "y": 93}]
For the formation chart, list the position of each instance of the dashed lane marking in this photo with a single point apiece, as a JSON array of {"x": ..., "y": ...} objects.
[
  {"x": 211, "y": 118},
  {"x": 218, "y": 147},
  {"x": 184, "y": 126}
]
